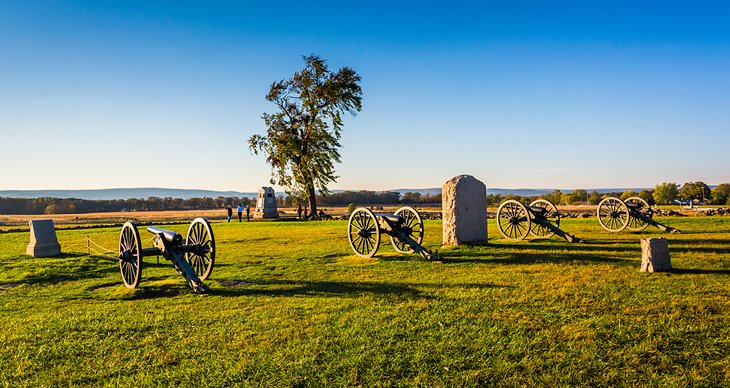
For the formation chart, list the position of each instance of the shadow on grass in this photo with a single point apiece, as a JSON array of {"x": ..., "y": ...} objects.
[
  {"x": 536, "y": 258},
  {"x": 691, "y": 271},
  {"x": 288, "y": 288},
  {"x": 66, "y": 267},
  {"x": 591, "y": 246}
]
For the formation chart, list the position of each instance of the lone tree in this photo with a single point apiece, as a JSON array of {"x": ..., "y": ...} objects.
[{"x": 303, "y": 137}]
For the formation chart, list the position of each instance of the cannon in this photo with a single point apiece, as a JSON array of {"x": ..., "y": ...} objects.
[
  {"x": 540, "y": 219},
  {"x": 633, "y": 214},
  {"x": 405, "y": 228},
  {"x": 192, "y": 257}
]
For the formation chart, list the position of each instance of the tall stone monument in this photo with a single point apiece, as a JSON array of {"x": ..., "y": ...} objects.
[
  {"x": 43, "y": 241},
  {"x": 464, "y": 207},
  {"x": 266, "y": 204}
]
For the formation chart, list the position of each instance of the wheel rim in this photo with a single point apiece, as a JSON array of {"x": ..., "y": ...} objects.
[
  {"x": 551, "y": 215},
  {"x": 363, "y": 232},
  {"x": 414, "y": 228},
  {"x": 130, "y": 255},
  {"x": 202, "y": 258},
  {"x": 613, "y": 215},
  {"x": 636, "y": 224},
  {"x": 513, "y": 220}
]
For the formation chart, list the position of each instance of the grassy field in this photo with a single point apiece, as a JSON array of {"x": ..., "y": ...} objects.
[{"x": 306, "y": 311}]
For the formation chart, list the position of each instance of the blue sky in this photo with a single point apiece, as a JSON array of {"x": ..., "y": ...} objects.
[{"x": 100, "y": 94}]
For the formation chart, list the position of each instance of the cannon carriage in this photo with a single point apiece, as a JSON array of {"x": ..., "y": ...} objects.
[
  {"x": 405, "y": 228},
  {"x": 633, "y": 214},
  {"x": 193, "y": 257},
  {"x": 540, "y": 219}
]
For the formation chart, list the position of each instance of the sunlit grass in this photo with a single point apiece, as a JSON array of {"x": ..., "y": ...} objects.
[{"x": 312, "y": 313}]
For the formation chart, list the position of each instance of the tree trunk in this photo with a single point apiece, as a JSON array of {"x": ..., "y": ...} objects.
[{"x": 312, "y": 201}]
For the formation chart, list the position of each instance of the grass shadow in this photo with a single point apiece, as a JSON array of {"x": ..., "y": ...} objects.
[
  {"x": 339, "y": 289},
  {"x": 694, "y": 271},
  {"x": 536, "y": 258},
  {"x": 320, "y": 288},
  {"x": 67, "y": 267}
]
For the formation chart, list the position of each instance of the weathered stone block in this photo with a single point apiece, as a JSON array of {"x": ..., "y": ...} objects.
[
  {"x": 464, "y": 211},
  {"x": 266, "y": 204},
  {"x": 655, "y": 255},
  {"x": 43, "y": 241}
]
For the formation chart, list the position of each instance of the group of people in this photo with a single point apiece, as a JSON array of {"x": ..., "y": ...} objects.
[
  {"x": 321, "y": 215},
  {"x": 301, "y": 210},
  {"x": 240, "y": 212}
]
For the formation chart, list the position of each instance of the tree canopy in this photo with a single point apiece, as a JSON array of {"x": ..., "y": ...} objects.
[
  {"x": 665, "y": 193},
  {"x": 302, "y": 138},
  {"x": 695, "y": 190}
]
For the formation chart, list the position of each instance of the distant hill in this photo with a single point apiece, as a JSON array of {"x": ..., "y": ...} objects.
[{"x": 146, "y": 192}]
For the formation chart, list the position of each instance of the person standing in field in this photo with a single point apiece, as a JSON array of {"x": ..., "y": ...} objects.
[
  {"x": 299, "y": 212},
  {"x": 248, "y": 213},
  {"x": 240, "y": 212},
  {"x": 230, "y": 213}
]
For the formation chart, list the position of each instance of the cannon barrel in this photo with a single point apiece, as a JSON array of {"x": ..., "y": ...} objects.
[{"x": 169, "y": 235}]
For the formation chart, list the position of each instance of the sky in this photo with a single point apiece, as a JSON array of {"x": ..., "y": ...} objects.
[{"x": 106, "y": 94}]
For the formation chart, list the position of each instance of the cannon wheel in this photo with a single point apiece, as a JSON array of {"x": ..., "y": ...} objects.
[
  {"x": 613, "y": 214},
  {"x": 552, "y": 215},
  {"x": 201, "y": 259},
  {"x": 636, "y": 224},
  {"x": 363, "y": 232},
  {"x": 130, "y": 255},
  {"x": 414, "y": 228},
  {"x": 513, "y": 220}
]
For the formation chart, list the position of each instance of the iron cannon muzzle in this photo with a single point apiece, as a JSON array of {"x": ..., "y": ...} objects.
[{"x": 172, "y": 237}]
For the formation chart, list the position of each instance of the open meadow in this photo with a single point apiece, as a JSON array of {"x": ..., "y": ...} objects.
[{"x": 291, "y": 305}]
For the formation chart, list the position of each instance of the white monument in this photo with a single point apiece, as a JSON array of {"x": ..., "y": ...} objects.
[
  {"x": 266, "y": 204},
  {"x": 43, "y": 241},
  {"x": 464, "y": 208},
  {"x": 655, "y": 255}
]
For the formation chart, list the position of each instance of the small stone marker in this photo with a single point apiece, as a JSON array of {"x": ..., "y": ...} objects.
[
  {"x": 655, "y": 255},
  {"x": 266, "y": 204},
  {"x": 464, "y": 211},
  {"x": 43, "y": 242}
]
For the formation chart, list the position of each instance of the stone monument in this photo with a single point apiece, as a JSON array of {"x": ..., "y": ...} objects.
[
  {"x": 464, "y": 208},
  {"x": 655, "y": 255},
  {"x": 266, "y": 204},
  {"x": 43, "y": 241}
]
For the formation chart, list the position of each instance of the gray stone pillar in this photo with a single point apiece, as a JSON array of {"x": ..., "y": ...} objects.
[
  {"x": 43, "y": 242},
  {"x": 655, "y": 255},
  {"x": 266, "y": 204},
  {"x": 464, "y": 211}
]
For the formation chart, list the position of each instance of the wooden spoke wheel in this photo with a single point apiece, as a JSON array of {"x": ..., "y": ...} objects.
[
  {"x": 613, "y": 214},
  {"x": 550, "y": 215},
  {"x": 413, "y": 226},
  {"x": 513, "y": 220},
  {"x": 640, "y": 206},
  {"x": 202, "y": 256},
  {"x": 363, "y": 232},
  {"x": 130, "y": 255}
]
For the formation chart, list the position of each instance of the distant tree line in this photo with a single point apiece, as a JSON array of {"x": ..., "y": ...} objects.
[
  {"x": 363, "y": 197},
  {"x": 73, "y": 205},
  {"x": 662, "y": 194}
]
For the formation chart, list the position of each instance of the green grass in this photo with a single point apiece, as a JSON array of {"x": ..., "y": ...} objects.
[{"x": 525, "y": 313}]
